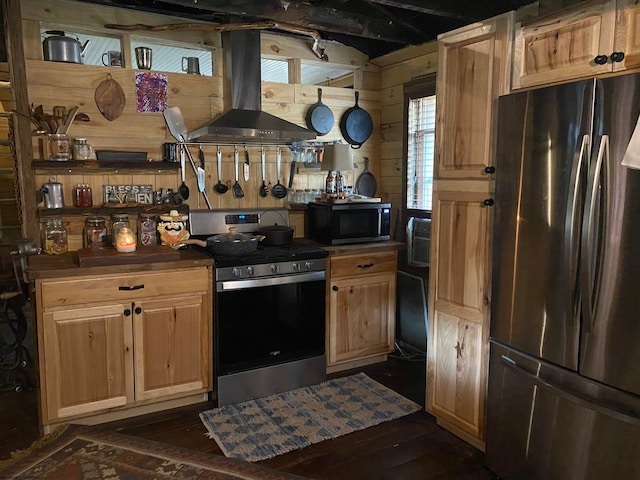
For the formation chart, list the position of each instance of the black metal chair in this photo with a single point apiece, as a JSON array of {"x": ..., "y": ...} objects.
[{"x": 14, "y": 356}]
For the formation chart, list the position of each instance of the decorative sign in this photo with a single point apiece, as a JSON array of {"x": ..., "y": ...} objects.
[{"x": 128, "y": 193}]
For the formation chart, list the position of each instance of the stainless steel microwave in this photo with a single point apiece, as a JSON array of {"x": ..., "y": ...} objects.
[{"x": 344, "y": 223}]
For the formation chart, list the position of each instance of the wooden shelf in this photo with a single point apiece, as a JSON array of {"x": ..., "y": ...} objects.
[
  {"x": 93, "y": 166},
  {"x": 107, "y": 211}
]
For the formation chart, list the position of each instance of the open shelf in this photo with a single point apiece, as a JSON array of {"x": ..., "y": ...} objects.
[
  {"x": 93, "y": 166},
  {"x": 107, "y": 211}
]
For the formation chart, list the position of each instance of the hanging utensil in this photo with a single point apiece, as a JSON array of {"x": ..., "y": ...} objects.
[
  {"x": 246, "y": 164},
  {"x": 220, "y": 187},
  {"x": 263, "y": 188},
  {"x": 319, "y": 117},
  {"x": 110, "y": 98},
  {"x": 183, "y": 190},
  {"x": 175, "y": 124},
  {"x": 366, "y": 184},
  {"x": 200, "y": 173},
  {"x": 278, "y": 190},
  {"x": 237, "y": 189},
  {"x": 356, "y": 125}
]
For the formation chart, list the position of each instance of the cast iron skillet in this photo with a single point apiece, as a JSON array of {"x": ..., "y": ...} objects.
[
  {"x": 319, "y": 117},
  {"x": 356, "y": 125}
]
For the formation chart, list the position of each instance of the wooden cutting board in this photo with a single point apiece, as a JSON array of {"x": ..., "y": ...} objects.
[
  {"x": 110, "y": 98},
  {"x": 94, "y": 257}
]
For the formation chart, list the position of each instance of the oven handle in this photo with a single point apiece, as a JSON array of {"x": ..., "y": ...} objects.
[{"x": 268, "y": 282}]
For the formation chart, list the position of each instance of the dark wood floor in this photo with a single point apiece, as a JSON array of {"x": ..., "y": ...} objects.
[{"x": 410, "y": 448}]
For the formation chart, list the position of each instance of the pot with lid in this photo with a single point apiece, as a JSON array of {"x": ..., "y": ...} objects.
[
  {"x": 61, "y": 48},
  {"x": 277, "y": 235}
]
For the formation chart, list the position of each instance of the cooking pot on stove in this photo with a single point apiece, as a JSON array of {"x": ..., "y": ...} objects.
[
  {"x": 276, "y": 235},
  {"x": 61, "y": 48}
]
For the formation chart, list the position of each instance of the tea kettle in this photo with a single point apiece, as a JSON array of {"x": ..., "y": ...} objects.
[
  {"x": 60, "y": 48},
  {"x": 51, "y": 193}
]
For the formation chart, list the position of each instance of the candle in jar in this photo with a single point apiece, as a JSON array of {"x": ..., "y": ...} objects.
[{"x": 126, "y": 240}]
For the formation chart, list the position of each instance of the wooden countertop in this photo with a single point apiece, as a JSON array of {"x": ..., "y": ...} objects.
[{"x": 55, "y": 266}]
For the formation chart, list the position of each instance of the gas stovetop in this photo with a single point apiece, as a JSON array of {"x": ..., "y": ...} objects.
[{"x": 206, "y": 223}]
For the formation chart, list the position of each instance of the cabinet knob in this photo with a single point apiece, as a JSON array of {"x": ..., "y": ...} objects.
[
  {"x": 127, "y": 312},
  {"x": 128, "y": 288},
  {"x": 617, "y": 57},
  {"x": 334, "y": 288},
  {"x": 138, "y": 310},
  {"x": 601, "y": 59},
  {"x": 490, "y": 170},
  {"x": 488, "y": 202}
]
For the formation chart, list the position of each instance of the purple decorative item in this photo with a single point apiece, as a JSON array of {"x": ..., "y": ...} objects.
[{"x": 151, "y": 92}]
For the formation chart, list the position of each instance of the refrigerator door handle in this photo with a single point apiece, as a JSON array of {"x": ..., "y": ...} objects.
[
  {"x": 592, "y": 225},
  {"x": 572, "y": 223},
  {"x": 581, "y": 400}
]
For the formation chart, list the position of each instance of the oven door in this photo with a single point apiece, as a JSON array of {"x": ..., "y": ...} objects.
[{"x": 269, "y": 321}]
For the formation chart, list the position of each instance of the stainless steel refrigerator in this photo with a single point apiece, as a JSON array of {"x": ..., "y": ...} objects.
[{"x": 564, "y": 371}]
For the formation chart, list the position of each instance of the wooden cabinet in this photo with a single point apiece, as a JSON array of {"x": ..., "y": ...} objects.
[
  {"x": 473, "y": 70},
  {"x": 459, "y": 308},
  {"x": 361, "y": 309},
  {"x": 113, "y": 341},
  {"x": 582, "y": 41}
]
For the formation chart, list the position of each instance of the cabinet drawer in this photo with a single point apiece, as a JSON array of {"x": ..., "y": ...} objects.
[
  {"x": 109, "y": 288},
  {"x": 364, "y": 264}
]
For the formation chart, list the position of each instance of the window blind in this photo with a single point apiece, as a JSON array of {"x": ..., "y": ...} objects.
[{"x": 421, "y": 123}]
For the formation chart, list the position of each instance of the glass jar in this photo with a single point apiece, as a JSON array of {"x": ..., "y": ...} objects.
[
  {"x": 59, "y": 148},
  {"x": 54, "y": 237},
  {"x": 95, "y": 232},
  {"x": 82, "y": 150},
  {"x": 148, "y": 229},
  {"x": 118, "y": 221}
]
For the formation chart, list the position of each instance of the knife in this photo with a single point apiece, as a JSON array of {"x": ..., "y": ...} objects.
[{"x": 246, "y": 164}]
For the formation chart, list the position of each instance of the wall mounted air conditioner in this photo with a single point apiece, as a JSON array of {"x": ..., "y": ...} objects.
[{"x": 419, "y": 236}]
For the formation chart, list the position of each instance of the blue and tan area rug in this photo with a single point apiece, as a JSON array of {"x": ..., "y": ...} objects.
[{"x": 263, "y": 428}]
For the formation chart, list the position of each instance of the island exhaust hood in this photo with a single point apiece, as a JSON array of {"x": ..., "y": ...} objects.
[{"x": 243, "y": 120}]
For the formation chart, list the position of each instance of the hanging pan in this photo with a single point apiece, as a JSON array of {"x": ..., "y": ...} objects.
[
  {"x": 356, "y": 125},
  {"x": 319, "y": 117}
]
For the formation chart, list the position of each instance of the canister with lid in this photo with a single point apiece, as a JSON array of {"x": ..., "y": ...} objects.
[
  {"x": 148, "y": 229},
  {"x": 82, "y": 150}
]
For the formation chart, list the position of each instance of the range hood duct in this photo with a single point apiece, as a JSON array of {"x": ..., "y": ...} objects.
[{"x": 243, "y": 120}]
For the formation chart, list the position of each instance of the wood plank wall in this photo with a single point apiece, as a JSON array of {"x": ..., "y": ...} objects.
[
  {"x": 200, "y": 98},
  {"x": 396, "y": 69}
]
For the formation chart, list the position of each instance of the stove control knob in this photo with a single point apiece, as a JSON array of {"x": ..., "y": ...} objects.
[
  {"x": 236, "y": 272},
  {"x": 275, "y": 268},
  {"x": 308, "y": 266},
  {"x": 296, "y": 267},
  {"x": 251, "y": 271}
]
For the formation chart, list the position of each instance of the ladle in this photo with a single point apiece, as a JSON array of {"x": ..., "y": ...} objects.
[
  {"x": 278, "y": 190},
  {"x": 237, "y": 189},
  {"x": 263, "y": 188},
  {"x": 220, "y": 187}
]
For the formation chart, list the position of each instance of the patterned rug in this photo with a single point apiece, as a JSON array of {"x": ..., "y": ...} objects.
[
  {"x": 86, "y": 453},
  {"x": 263, "y": 428}
]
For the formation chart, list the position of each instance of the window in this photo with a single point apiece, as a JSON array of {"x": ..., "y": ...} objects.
[
  {"x": 420, "y": 114},
  {"x": 421, "y": 127}
]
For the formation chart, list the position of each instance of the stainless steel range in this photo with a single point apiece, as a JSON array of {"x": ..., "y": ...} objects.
[{"x": 269, "y": 309}]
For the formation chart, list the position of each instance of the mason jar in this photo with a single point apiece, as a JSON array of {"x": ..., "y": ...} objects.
[
  {"x": 54, "y": 237},
  {"x": 148, "y": 229},
  {"x": 59, "y": 148},
  {"x": 118, "y": 221},
  {"x": 95, "y": 232}
]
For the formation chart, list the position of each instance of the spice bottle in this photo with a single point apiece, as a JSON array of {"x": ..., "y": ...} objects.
[
  {"x": 54, "y": 237},
  {"x": 95, "y": 232},
  {"x": 330, "y": 183}
]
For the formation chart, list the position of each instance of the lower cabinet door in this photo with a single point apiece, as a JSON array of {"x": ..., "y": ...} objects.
[
  {"x": 88, "y": 360},
  {"x": 361, "y": 317},
  {"x": 172, "y": 338}
]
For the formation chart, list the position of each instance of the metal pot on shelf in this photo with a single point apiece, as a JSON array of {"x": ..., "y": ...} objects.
[
  {"x": 51, "y": 193},
  {"x": 61, "y": 48}
]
